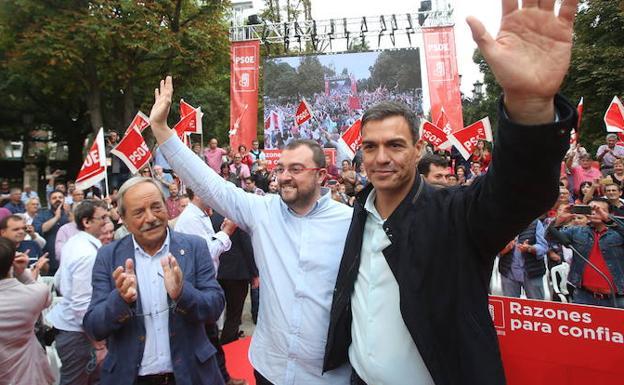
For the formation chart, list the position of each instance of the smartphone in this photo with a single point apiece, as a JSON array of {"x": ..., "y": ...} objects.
[{"x": 581, "y": 209}]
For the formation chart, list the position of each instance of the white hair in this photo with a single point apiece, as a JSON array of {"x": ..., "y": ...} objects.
[{"x": 131, "y": 183}]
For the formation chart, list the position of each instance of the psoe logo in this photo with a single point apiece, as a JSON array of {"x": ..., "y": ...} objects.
[
  {"x": 497, "y": 312},
  {"x": 244, "y": 60},
  {"x": 439, "y": 47}
]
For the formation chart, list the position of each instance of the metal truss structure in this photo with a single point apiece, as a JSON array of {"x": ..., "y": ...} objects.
[{"x": 319, "y": 34}]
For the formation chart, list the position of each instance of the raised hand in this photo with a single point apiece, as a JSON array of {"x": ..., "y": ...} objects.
[
  {"x": 126, "y": 282},
  {"x": 173, "y": 276},
  {"x": 20, "y": 263},
  {"x": 160, "y": 110},
  {"x": 530, "y": 55},
  {"x": 37, "y": 266}
]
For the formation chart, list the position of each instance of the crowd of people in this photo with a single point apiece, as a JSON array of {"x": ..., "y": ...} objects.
[
  {"x": 143, "y": 273},
  {"x": 332, "y": 115}
]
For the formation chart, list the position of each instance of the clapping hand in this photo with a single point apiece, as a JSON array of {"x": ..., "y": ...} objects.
[
  {"x": 126, "y": 282},
  {"x": 37, "y": 266},
  {"x": 20, "y": 263},
  {"x": 173, "y": 276}
]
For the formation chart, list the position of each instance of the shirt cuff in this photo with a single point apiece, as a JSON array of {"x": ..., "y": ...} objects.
[{"x": 225, "y": 240}]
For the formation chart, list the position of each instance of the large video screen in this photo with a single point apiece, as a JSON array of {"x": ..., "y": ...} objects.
[{"x": 338, "y": 88}]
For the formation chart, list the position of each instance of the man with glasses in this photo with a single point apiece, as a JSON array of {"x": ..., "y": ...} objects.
[
  {"x": 297, "y": 237},
  {"x": 153, "y": 292},
  {"x": 73, "y": 280}
]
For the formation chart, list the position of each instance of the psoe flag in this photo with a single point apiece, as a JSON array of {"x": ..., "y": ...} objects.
[
  {"x": 466, "y": 140},
  {"x": 140, "y": 122},
  {"x": 93, "y": 168},
  {"x": 614, "y": 117},
  {"x": 304, "y": 112},
  {"x": 133, "y": 151},
  {"x": 191, "y": 119},
  {"x": 351, "y": 139},
  {"x": 433, "y": 135}
]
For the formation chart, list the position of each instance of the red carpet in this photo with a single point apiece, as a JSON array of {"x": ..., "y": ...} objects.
[{"x": 236, "y": 360}]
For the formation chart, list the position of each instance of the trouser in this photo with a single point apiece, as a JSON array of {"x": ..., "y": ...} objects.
[
  {"x": 212, "y": 330},
  {"x": 78, "y": 362},
  {"x": 255, "y": 304},
  {"x": 260, "y": 380},
  {"x": 584, "y": 297},
  {"x": 533, "y": 287},
  {"x": 235, "y": 293}
]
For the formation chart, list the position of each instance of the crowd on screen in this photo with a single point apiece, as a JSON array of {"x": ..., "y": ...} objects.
[{"x": 333, "y": 114}]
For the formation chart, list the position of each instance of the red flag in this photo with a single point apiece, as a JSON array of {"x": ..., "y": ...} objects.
[
  {"x": 93, "y": 168},
  {"x": 443, "y": 122},
  {"x": 133, "y": 150},
  {"x": 466, "y": 140},
  {"x": 185, "y": 108},
  {"x": 614, "y": 117},
  {"x": 352, "y": 138},
  {"x": 354, "y": 102},
  {"x": 140, "y": 122},
  {"x": 304, "y": 112},
  {"x": 190, "y": 121},
  {"x": 432, "y": 134},
  {"x": 574, "y": 132}
]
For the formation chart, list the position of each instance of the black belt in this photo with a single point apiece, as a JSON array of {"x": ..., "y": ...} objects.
[
  {"x": 601, "y": 295},
  {"x": 156, "y": 379}
]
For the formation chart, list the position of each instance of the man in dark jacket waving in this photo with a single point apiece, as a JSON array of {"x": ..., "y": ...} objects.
[{"x": 410, "y": 303}]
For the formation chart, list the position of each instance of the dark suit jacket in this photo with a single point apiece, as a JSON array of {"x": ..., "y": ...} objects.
[
  {"x": 201, "y": 302},
  {"x": 443, "y": 244}
]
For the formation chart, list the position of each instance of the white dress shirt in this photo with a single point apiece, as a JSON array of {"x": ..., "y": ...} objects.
[
  {"x": 298, "y": 259},
  {"x": 382, "y": 351},
  {"x": 73, "y": 280},
  {"x": 195, "y": 221},
  {"x": 155, "y": 308}
]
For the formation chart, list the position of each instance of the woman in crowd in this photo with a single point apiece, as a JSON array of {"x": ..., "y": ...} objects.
[
  {"x": 587, "y": 191},
  {"x": 461, "y": 175},
  {"x": 617, "y": 176},
  {"x": 482, "y": 155},
  {"x": 361, "y": 177}
]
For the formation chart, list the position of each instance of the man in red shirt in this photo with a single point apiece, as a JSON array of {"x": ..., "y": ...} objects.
[{"x": 602, "y": 243}]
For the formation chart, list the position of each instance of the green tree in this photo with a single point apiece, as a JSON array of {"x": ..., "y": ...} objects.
[
  {"x": 596, "y": 72},
  {"x": 80, "y": 65},
  {"x": 396, "y": 69}
]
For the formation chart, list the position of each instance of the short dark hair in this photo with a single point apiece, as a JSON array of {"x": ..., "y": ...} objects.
[
  {"x": 4, "y": 223},
  {"x": 318, "y": 155},
  {"x": 57, "y": 191},
  {"x": 424, "y": 165},
  {"x": 388, "y": 109},
  {"x": 86, "y": 209},
  {"x": 190, "y": 193},
  {"x": 7, "y": 255},
  {"x": 602, "y": 200}
]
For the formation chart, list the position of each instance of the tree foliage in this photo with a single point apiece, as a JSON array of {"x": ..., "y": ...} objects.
[
  {"x": 398, "y": 69},
  {"x": 79, "y": 65}
]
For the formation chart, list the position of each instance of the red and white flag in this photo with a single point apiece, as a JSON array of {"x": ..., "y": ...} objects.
[
  {"x": 466, "y": 140},
  {"x": 434, "y": 135},
  {"x": 190, "y": 121},
  {"x": 443, "y": 123},
  {"x": 351, "y": 139},
  {"x": 574, "y": 132},
  {"x": 273, "y": 122},
  {"x": 614, "y": 117},
  {"x": 133, "y": 151},
  {"x": 304, "y": 112},
  {"x": 93, "y": 168},
  {"x": 140, "y": 122}
]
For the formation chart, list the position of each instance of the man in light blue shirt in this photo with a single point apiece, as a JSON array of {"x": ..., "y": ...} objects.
[
  {"x": 74, "y": 282},
  {"x": 297, "y": 237}
]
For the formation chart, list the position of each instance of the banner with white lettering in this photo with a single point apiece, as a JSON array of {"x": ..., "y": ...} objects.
[
  {"x": 93, "y": 168},
  {"x": 554, "y": 343},
  {"x": 614, "y": 117},
  {"x": 133, "y": 150},
  {"x": 245, "y": 56},
  {"x": 190, "y": 119},
  {"x": 434, "y": 135},
  {"x": 351, "y": 139},
  {"x": 304, "y": 112},
  {"x": 443, "y": 76},
  {"x": 465, "y": 141},
  {"x": 140, "y": 122}
]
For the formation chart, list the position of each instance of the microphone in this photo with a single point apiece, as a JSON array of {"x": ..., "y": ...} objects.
[{"x": 565, "y": 240}]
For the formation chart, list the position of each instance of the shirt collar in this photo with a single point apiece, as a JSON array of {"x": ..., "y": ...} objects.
[
  {"x": 96, "y": 242},
  {"x": 164, "y": 246},
  {"x": 198, "y": 211},
  {"x": 369, "y": 205},
  {"x": 322, "y": 202}
]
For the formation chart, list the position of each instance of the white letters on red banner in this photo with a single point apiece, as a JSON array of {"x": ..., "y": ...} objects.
[
  {"x": 133, "y": 151},
  {"x": 351, "y": 139},
  {"x": 443, "y": 123},
  {"x": 304, "y": 112},
  {"x": 614, "y": 117},
  {"x": 191, "y": 119},
  {"x": 140, "y": 122},
  {"x": 93, "y": 169},
  {"x": 466, "y": 140},
  {"x": 432, "y": 134},
  {"x": 245, "y": 57}
]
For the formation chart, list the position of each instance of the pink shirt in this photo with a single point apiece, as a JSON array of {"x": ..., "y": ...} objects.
[
  {"x": 214, "y": 158},
  {"x": 581, "y": 175}
]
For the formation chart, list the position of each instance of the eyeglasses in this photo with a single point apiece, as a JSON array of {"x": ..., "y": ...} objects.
[{"x": 295, "y": 170}]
